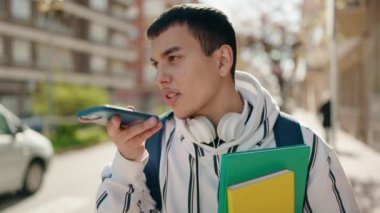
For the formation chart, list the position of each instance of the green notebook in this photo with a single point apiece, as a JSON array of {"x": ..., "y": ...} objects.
[{"x": 242, "y": 166}]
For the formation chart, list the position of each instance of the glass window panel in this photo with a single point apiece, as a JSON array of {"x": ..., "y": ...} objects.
[
  {"x": 131, "y": 12},
  {"x": 54, "y": 58},
  {"x": 21, "y": 51},
  {"x": 98, "y": 64},
  {"x": 99, "y": 4},
  {"x": 2, "y": 8},
  {"x": 60, "y": 59},
  {"x": 65, "y": 59},
  {"x": 98, "y": 33},
  {"x": 21, "y": 9},
  {"x": 377, "y": 79},
  {"x": 118, "y": 40},
  {"x": 42, "y": 52},
  {"x": 118, "y": 10},
  {"x": 118, "y": 67},
  {"x": 2, "y": 47},
  {"x": 4, "y": 128}
]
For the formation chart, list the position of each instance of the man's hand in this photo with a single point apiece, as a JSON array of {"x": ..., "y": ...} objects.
[{"x": 130, "y": 140}]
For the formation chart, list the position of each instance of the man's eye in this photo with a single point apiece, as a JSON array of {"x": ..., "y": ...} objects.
[{"x": 173, "y": 58}]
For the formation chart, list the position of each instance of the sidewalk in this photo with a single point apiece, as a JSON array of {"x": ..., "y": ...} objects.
[{"x": 360, "y": 162}]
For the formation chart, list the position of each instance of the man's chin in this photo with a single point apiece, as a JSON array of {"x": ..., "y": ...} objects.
[{"x": 181, "y": 114}]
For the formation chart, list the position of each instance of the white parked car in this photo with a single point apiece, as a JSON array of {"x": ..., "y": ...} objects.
[{"x": 24, "y": 155}]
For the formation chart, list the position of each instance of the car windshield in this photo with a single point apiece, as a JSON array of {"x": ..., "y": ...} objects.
[
  {"x": 4, "y": 128},
  {"x": 11, "y": 121}
]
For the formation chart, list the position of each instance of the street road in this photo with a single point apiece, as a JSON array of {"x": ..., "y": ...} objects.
[{"x": 70, "y": 184}]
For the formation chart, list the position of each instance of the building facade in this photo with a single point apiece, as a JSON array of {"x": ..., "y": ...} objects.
[
  {"x": 84, "y": 42},
  {"x": 358, "y": 62}
]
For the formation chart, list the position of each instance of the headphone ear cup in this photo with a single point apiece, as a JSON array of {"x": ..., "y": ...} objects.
[
  {"x": 201, "y": 129},
  {"x": 230, "y": 126}
]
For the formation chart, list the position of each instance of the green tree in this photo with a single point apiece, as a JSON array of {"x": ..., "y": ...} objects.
[{"x": 66, "y": 99}]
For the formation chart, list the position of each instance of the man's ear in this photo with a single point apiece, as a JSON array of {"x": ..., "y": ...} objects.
[{"x": 225, "y": 60}]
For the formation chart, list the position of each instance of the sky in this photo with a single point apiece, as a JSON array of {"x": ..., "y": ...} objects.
[
  {"x": 282, "y": 23},
  {"x": 246, "y": 15}
]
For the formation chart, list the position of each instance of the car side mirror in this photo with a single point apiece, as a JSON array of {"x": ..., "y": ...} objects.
[{"x": 19, "y": 128}]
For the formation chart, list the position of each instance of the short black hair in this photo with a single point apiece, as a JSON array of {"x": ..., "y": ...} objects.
[{"x": 207, "y": 24}]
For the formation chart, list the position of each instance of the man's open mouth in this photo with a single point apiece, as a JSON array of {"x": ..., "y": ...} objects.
[{"x": 170, "y": 96}]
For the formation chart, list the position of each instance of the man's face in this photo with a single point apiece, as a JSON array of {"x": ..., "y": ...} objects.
[{"x": 188, "y": 79}]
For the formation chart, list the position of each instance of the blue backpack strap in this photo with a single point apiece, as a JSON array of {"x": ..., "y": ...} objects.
[
  {"x": 152, "y": 169},
  {"x": 287, "y": 131}
]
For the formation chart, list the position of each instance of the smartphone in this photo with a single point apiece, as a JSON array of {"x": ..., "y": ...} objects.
[{"x": 101, "y": 114}]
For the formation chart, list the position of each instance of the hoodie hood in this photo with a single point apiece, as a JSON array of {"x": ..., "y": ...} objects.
[{"x": 260, "y": 113}]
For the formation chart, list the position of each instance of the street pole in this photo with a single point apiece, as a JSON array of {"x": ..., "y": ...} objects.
[
  {"x": 49, "y": 8},
  {"x": 333, "y": 67},
  {"x": 49, "y": 21}
]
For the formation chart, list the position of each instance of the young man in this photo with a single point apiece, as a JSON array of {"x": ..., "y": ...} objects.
[{"x": 216, "y": 111}]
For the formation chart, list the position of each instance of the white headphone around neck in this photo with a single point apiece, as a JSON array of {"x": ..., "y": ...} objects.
[{"x": 230, "y": 127}]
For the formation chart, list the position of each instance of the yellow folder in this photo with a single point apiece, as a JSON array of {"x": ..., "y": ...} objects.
[
  {"x": 269, "y": 193},
  {"x": 243, "y": 166}
]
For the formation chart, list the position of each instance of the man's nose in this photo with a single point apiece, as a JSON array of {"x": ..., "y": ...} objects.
[{"x": 162, "y": 77}]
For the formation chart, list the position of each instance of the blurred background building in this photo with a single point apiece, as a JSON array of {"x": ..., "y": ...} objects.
[
  {"x": 83, "y": 42},
  {"x": 102, "y": 43},
  {"x": 358, "y": 62}
]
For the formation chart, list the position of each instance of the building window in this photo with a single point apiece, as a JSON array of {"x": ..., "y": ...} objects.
[
  {"x": 377, "y": 79},
  {"x": 66, "y": 61},
  {"x": 21, "y": 9},
  {"x": 2, "y": 8},
  {"x": 98, "y": 64},
  {"x": 21, "y": 51},
  {"x": 118, "y": 40},
  {"x": 131, "y": 12},
  {"x": 2, "y": 52},
  {"x": 118, "y": 68},
  {"x": 54, "y": 58},
  {"x": 58, "y": 23},
  {"x": 99, "y": 4},
  {"x": 98, "y": 33},
  {"x": 118, "y": 11},
  {"x": 42, "y": 52}
]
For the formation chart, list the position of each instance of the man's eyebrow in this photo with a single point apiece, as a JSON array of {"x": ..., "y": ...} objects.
[
  {"x": 170, "y": 50},
  {"x": 167, "y": 52}
]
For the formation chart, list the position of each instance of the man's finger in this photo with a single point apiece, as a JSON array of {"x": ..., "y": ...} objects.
[
  {"x": 130, "y": 107},
  {"x": 141, "y": 138},
  {"x": 136, "y": 129},
  {"x": 113, "y": 125}
]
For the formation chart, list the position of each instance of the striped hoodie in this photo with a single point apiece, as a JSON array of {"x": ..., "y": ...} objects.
[{"x": 189, "y": 169}]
